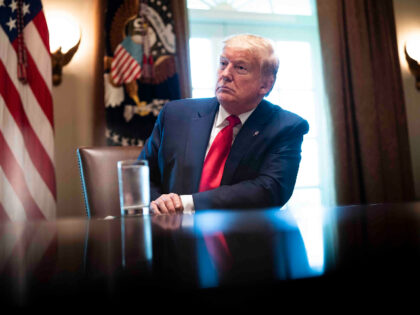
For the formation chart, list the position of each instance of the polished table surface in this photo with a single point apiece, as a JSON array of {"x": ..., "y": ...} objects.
[{"x": 238, "y": 258}]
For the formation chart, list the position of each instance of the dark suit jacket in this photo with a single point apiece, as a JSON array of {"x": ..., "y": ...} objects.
[{"x": 261, "y": 167}]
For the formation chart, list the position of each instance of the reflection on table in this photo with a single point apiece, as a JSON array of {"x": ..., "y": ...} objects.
[{"x": 237, "y": 255}]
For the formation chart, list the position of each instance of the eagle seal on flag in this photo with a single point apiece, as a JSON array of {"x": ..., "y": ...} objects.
[{"x": 140, "y": 71}]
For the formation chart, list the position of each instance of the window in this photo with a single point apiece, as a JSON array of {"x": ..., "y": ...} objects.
[{"x": 292, "y": 25}]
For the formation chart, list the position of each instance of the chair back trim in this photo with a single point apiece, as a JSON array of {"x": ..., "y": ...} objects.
[{"x": 83, "y": 180}]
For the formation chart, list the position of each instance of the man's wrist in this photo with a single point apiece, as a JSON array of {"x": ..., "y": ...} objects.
[{"x": 187, "y": 203}]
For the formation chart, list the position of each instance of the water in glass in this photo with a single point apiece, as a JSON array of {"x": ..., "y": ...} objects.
[{"x": 133, "y": 177}]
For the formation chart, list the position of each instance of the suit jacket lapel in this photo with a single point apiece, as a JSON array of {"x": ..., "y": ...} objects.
[
  {"x": 199, "y": 134},
  {"x": 250, "y": 131}
]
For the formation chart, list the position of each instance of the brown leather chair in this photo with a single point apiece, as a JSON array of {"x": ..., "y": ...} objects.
[{"x": 99, "y": 176}]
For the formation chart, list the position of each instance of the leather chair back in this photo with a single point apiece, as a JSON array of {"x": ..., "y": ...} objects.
[{"x": 99, "y": 176}]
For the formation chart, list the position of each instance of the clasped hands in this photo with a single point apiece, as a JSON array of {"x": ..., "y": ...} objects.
[{"x": 167, "y": 204}]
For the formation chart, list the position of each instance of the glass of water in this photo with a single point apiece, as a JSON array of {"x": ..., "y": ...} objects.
[{"x": 134, "y": 187}]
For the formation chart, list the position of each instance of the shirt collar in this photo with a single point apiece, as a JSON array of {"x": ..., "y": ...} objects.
[{"x": 223, "y": 114}]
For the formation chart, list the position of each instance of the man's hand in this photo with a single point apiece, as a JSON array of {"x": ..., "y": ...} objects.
[
  {"x": 167, "y": 204},
  {"x": 168, "y": 222}
]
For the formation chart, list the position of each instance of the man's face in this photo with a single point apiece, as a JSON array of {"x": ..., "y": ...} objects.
[{"x": 240, "y": 85}]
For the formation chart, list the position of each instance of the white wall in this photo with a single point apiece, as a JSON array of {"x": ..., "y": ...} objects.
[
  {"x": 407, "y": 19},
  {"x": 73, "y": 107}
]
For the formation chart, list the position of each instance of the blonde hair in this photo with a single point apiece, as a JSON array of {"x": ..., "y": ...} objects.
[{"x": 260, "y": 47}]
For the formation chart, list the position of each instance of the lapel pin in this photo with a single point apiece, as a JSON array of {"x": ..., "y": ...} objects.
[{"x": 256, "y": 133}]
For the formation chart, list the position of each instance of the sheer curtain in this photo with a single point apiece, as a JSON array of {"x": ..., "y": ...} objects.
[{"x": 366, "y": 110}]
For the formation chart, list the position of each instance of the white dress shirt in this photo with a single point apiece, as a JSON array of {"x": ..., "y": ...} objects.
[{"x": 219, "y": 123}]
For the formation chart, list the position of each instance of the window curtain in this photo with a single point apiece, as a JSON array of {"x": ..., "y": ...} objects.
[
  {"x": 179, "y": 9},
  {"x": 98, "y": 96},
  {"x": 366, "y": 111}
]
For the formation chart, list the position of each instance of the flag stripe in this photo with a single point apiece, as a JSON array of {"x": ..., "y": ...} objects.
[
  {"x": 16, "y": 178},
  {"x": 122, "y": 71},
  {"x": 11, "y": 202},
  {"x": 3, "y": 214},
  {"x": 41, "y": 25},
  {"x": 35, "y": 148},
  {"x": 129, "y": 68},
  {"x": 118, "y": 52},
  {"x": 42, "y": 241},
  {"x": 123, "y": 75},
  {"x": 18, "y": 253},
  {"x": 40, "y": 54},
  {"x": 39, "y": 190},
  {"x": 133, "y": 74},
  {"x": 119, "y": 63},
  {"x": 39, "y": 89},
  {"x": 13, "y": 234},
  {"x": 35, "y": 114}
]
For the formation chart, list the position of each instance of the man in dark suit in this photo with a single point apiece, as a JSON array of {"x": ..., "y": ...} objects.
[{"x": 232, "y": 151}]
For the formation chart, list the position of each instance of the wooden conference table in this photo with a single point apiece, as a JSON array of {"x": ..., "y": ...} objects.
[{"x": 243, "y": 259}]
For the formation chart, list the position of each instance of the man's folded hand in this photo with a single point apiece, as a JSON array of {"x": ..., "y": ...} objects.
[{"x": 167, "y": 204}]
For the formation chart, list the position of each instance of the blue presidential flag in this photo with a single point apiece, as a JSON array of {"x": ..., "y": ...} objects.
[{"x": 140, "y": 71}]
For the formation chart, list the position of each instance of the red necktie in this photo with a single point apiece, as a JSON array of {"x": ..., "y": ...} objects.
[
  {"x": 211, "y": 177},
  {"x": 214, "y": 163},
  {"x": 219, "y": 250}
]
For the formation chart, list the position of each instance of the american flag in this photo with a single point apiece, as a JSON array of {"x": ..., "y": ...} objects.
[
  {"x": 27, "y": 172},
  {"x": 124, "y": 68}
]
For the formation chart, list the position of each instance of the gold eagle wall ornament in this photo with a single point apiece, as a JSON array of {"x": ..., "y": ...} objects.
[
  {"x": 129, "y": 20},
  {"x": 414, "y": 67},
  {"x": 59, "y": 60}
]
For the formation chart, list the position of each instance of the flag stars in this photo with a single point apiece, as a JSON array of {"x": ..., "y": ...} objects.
[
  {"x": 2, "y": 3},
  {"x": 125, "y": 142},
  {"x": 115, "y": 138},
  {"x": 11, "y": 24},
  {"x": 25, "y": 8},
  {"x": 13, "y": 5}
]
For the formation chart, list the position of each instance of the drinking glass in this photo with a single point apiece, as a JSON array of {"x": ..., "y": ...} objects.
[{"x": 134, "y": 187}]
